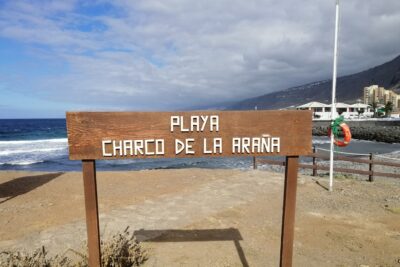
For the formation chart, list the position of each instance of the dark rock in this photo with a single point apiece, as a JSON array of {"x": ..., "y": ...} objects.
[{"x": 381, "y": 131}]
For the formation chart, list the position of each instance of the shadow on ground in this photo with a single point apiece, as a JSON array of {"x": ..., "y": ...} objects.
[
  {"x": 169, "y": 235},
  {"x": 22, "y": 185}
]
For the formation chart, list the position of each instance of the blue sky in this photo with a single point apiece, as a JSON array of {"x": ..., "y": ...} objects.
[{"x": 168, "y": 55}]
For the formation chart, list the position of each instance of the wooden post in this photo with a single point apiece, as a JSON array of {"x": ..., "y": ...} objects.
[
  {"x": 92, "y": 213},
  {"x": 371, "y": 166},
  {"x": 314, "y": 163},
  {"x": 254, "y": 163},
  {"x": 289, "y": 208}
]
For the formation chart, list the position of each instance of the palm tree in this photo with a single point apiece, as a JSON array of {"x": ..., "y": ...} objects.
[
  {"x": 388, "y": 108},
  {"x": 374, "y": 106}
]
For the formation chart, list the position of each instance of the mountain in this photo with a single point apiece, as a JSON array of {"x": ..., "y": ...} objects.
[{"x": 349, "y": 89}]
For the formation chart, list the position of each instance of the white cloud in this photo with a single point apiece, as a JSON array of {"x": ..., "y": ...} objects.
[{"x": 175, "y": 54}]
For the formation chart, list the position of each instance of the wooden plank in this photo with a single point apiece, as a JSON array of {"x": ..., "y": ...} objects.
[
  {"x": 87, "y": 131},
  {"x": 384, "y": 174},
  {"x": 289, "y": 210},
  {"x": 318, "y": 167},
  {"x": 344, "y": 158},
  {"x": 384, "y": 163},
  {"x": 92, "y": 213},
  {"x": 326, "y": 168},
  {"x": 358, "y": 160}
]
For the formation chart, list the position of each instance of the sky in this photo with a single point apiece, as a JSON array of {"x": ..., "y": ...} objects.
[{"x": 154, "y": 55}]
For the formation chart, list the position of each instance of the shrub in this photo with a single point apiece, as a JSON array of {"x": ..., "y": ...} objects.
[{"x": 121, "y": 250}]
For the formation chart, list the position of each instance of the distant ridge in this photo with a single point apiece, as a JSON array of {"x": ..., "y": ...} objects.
[{"x": 349, "y": 89}]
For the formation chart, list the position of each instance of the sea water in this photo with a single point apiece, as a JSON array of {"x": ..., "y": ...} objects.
[{"x": 42, "y": 145}]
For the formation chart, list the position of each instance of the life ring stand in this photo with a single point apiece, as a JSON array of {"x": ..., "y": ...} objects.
[{"x": 347, "y": 135}]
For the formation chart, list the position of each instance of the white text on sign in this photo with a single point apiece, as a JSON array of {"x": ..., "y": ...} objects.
[{"x": 186, "y": 146}]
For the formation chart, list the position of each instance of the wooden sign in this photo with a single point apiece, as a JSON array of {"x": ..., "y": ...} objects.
[
  {"x": 128, "y": 135},
  {"x": 116, "y": 135}
]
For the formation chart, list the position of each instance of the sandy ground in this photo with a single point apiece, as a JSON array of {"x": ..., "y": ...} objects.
[{"x": 196, "y": 217}]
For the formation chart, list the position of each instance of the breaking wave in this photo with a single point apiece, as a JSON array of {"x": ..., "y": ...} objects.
[{"x": 28, "y": 152}]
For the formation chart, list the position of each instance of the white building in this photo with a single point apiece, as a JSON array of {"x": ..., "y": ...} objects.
[{"x": 322, "y": 111}]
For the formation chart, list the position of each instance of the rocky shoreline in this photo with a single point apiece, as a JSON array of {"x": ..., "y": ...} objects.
[{"x": 380, "y": 131}]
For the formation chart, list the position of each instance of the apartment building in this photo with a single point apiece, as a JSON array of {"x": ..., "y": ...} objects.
[{"x": 380, "y": 95}]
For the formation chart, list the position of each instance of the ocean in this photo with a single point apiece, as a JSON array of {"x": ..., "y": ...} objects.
[{"x": 41, "y": 145}]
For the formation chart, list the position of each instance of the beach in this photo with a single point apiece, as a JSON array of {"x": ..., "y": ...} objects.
[{"x": 204, "y": 217}]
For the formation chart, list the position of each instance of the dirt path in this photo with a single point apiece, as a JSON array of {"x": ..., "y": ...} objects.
[{"x": 199, "y": 217}]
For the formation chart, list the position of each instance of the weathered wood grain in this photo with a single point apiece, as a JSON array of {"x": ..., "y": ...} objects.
[
  {"x": 92, "y": 211},
  {"x": 87, "y": 130},
  {"x": 289, "y": 211}
]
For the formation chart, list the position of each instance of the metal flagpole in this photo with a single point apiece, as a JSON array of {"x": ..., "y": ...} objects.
[{"x": 333, "y": 108}]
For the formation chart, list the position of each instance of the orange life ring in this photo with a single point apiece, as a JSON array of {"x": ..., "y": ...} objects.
[{"x": 347, "y": 135}]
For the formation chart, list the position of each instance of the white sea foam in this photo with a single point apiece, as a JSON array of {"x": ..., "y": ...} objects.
[
  {"x": 23, "y": 151},
  {"x": 22, "y": 142},
  {"x": 27, "y": 152},
  {"x": 21, "y": 162}
]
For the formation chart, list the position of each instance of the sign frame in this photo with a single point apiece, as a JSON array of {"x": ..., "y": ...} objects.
[{"x": 84, "y": 127}]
